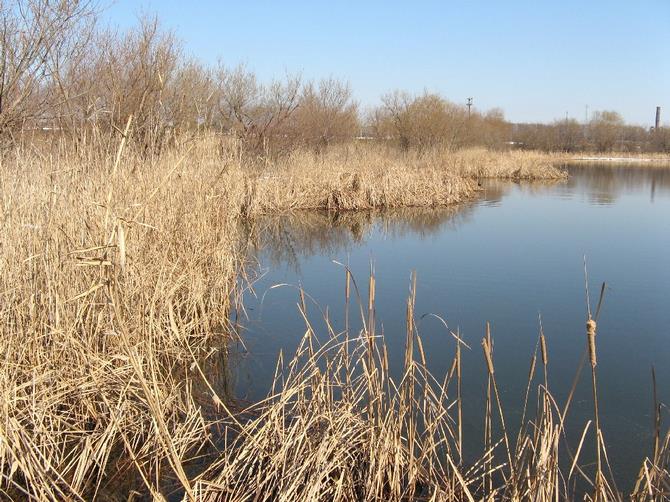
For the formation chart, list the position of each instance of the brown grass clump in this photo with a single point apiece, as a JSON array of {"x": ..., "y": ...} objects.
[
  {"x": 511, "y": 164},
  {"x": 355, "y": 178},
  {"x": 368, "y": 176},
  {"x": 115, "y": 283}
]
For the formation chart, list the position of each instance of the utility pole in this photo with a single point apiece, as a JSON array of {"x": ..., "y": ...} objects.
[{"x": 469, "y": 105}]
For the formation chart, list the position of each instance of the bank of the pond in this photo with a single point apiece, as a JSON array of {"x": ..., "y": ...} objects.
[
  {"x": 626, "y": 158},
  {"x": 371, "y": 176}
]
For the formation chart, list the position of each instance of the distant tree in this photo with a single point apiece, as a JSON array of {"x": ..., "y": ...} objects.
[
  {"x": 392, "y": 119},
  {"x": 257, "y": 114},
  {"x": 490, "y": 129},
  {"x": 569, "y": 134},
  {"x": 422, "y": 121},
  {"x": 128, "y": 74},
  {"x": 605, "y": 130},
  {"x": 38, "y": 38},
  {"x": 326, "y": 114},
  {"x": 190, "y": 100},
  {"x": 660, "y": 140}
]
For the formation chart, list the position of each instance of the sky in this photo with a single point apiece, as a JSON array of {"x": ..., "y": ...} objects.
[{"x": 537, "y": 60}]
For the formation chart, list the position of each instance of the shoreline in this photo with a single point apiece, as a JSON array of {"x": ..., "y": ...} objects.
[{"x": 621, "y": 159}]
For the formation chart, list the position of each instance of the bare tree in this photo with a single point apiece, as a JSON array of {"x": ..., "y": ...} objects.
[
  {"x": 326, "y": 114},
  {"x": 257, "y": 113},
  {"x": 393, "y": 118},
  {"x": 660, "y": 140},
  {"x": 135, "y": 72},
  {"x": 605, "y": 130},
  {"x": 190, "y": 99},
  {"x": 37, "y": 39},
  {"x": 569, "y": 135},
  {"x": 423, "y": 121}
]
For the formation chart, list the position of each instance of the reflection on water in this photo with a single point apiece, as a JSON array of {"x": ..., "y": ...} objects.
[
  {"x": 604, "y": 184},
  {"x": 286, "y": 239},
  {"x": 514, "y": 253}
]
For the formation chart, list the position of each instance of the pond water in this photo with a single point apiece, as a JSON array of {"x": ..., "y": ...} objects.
[{"x": 515, "y": 253}]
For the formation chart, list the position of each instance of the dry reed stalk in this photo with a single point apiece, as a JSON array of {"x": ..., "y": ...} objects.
[{"x": 488, "y": 354}]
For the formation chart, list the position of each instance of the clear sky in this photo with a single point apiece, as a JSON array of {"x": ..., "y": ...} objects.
[{"x": 536, "y": 60}]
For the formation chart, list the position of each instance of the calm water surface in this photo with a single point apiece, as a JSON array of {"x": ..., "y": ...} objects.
[{"x": 515, "y": 253}]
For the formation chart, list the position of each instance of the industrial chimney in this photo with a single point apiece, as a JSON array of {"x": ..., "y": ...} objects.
[{"x": 658, "y": 117}]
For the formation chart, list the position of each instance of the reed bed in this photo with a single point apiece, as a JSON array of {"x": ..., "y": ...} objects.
[
  {"x": 116, "y": 282},
  {"x": 354, "y": 178},
  {"x": 508, "y": 164},
  {"x": 367, "y": 176}
]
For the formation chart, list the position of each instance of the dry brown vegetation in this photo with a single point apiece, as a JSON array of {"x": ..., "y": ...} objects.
[
  {"x": 114, "y": 282},
  {"x": 338, "y": 426},
  {"x": 123, "y": 259}
]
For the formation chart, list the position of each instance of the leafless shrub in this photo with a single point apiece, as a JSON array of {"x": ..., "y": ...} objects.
[
  {"x": 429, "y": 121},
  {"x": 134, "y": 73},
  {"x": 256, "y": 113},
  {"x": 38, "y": 41},
  {"x": 191, "y": 98},
  {"x": 605, "y": 130},
  {"x": 326, "y": 114}
]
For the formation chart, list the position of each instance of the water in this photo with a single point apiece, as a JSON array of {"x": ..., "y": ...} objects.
[{"x": 512, "y": 255}]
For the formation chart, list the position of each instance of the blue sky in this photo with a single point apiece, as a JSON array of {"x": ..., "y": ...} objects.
[{"x": 536, "y": 60}]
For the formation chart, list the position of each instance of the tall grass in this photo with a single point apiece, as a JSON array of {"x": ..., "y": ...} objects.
[{"x": 116, "y": 282}]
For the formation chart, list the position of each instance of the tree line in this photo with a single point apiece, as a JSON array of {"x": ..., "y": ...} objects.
[
  {"x": 60, "y": 71},
  {"x": 606, "y": 131}
]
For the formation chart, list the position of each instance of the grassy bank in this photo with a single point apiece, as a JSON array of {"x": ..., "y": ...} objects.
[
  {"x": 119, "y": 273},
  {"x": 648, "y": 159},
  {"x": 369, "y": 176}
]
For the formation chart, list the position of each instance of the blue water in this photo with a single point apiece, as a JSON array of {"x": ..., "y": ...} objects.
[{"x": 515, "y": 253}]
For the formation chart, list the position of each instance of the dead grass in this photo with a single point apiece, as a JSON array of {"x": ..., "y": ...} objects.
[
  {"x": 368, "y": 176},
  {"x": 353, "y": 178},
  {"x": 510, "y": 164},
  {"x": 113, "y": 283}
]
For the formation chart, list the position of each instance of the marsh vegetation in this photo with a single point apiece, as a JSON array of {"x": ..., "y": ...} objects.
[{"x": 132, "y": 182}]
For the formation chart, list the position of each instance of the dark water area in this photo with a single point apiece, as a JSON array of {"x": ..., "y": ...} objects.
[{"x": 515, "y": 253}]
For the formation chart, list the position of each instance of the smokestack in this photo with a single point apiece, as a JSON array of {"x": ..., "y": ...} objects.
[{"x": 658, "y": 117}]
